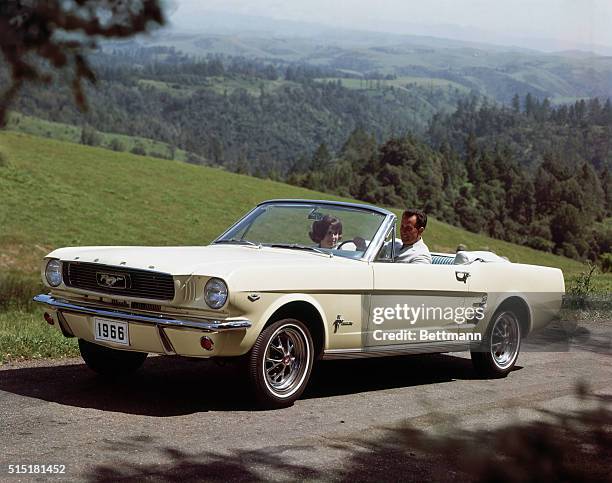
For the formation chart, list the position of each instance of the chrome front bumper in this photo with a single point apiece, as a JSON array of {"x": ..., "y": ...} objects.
[{"x": 64, "y": 306}]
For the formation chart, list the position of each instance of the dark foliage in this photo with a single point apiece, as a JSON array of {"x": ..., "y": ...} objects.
[
  {"x": 231, "y": 111},
  {"x": 57, "y": 34},
  {"x": 538, "y": 176}
]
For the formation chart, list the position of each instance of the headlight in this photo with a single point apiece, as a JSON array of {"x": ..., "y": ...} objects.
[
  {"x": 215, "y": 293},
  {"x": 53, "y": 273}
]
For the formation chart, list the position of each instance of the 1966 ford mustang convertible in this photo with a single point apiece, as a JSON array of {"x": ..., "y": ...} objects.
[{"x": 293, "y": 282}]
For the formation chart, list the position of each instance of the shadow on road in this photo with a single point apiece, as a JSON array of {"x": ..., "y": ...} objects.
[
  {"x": 574, "y": 446},
  {"x": 171, "y": 386},
  {"x": 333, "y": 378},
  {"x": 571, "y": 335}
]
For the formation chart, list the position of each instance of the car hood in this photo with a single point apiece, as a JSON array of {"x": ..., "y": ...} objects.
[{"x": 213, "y": 260}]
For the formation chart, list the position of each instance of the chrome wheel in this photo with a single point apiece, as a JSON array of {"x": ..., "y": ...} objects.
[
  {"x": 505, "y": 340},
  {"x": 286, "y": 360},
  {"x": 280, "y": 362}
]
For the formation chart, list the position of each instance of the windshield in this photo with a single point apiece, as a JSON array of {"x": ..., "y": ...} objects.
[{"x": 329, "y": 229}]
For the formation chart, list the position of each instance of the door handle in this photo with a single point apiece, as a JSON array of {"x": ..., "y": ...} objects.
[{"x": 462, "y": 276}]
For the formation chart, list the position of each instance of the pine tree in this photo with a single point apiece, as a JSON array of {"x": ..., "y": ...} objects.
[
  {"x": 472, "y": 160},
  {"x": 529, "y": 104},
  {"x": 321, "y": 158},
  {"x": 358, "y": 148},
  {"x": 606, "y": 184},
  {"x": 606, "y": 113},
  {"x": 516, "y": 103}
]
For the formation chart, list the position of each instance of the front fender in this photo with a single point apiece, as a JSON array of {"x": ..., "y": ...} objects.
[
  {"x": 286, "y": 299},
  {"x": 260, "y": 307}
]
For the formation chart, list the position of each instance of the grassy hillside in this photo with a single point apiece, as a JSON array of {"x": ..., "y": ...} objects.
[
  {"x": 68, "y": 132},
  {"x": 54, "y": 193},
  {"x": 402, "y": 82}
]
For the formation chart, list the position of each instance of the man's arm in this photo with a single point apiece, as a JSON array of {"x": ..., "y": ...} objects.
[{"x": 422, "y": 259}]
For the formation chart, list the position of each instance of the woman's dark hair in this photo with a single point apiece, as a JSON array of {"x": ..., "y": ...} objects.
[{"x": 320, "y": 228}]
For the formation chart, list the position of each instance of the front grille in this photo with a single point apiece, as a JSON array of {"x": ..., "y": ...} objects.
[
  {"x": 136, "y": 283},
  {"x": 149, "y": 307}
]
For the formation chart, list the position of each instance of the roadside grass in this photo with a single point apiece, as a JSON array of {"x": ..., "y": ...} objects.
[
  {"x": 23, "y": 332},
  {"x": 17, "y": 289},
  {"x": 594, "y": 307},
  {"x": 25, "y": 335}
]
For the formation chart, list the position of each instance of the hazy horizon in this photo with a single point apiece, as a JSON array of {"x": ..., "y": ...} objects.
[{"x": 547, "y": 25}]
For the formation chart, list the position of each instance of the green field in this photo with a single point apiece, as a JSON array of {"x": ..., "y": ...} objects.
[
  {"x": 402, "y": 82},
  {"x": 54, "y": 193},
  {"x": 220, "y": 85},
  {"x": 68, "y": 132}
]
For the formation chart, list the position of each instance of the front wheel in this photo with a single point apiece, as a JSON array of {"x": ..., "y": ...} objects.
[
  {"x": 109, "y": 362},
  {"x": 280, "y": 363},
  {"x": 499, "y": 350}
]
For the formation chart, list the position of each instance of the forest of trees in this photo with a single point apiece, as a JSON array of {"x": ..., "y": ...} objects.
[
  {"x": 475, "y": 172},
  {"x": 255, "y": 126}
]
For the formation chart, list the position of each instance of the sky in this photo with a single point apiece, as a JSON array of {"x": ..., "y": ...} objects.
[{"x": 569, "y": 23}]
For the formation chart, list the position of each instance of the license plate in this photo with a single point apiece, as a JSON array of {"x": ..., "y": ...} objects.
[{"x": 111, "y": 331}]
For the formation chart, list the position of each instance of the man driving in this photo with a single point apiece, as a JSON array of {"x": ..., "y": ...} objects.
[{"x": 412, "y": 248}]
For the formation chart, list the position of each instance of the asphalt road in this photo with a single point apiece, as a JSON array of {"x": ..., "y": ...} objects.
[{"x": 412, "y": 418}]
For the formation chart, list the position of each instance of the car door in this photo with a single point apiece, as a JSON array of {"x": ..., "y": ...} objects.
[
  {"x": 482, "y": 299},
  {"x": 416, "y": 304}
]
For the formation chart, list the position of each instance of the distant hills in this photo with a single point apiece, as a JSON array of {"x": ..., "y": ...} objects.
[
  {"x": 491, "y": 70},
  {"x": 440, "y": 35}
]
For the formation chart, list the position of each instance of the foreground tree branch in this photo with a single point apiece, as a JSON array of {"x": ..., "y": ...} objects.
[{"x": 39, "y": 36}]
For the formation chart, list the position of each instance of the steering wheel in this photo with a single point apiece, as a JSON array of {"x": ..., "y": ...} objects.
[{"x": 357, "y": 249}]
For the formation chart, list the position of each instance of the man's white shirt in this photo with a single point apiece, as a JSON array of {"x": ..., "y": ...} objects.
[{"x": 415, "y": 253}]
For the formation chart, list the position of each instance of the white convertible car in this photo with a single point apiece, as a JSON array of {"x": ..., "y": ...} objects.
[{"x": 292, "y": 282}]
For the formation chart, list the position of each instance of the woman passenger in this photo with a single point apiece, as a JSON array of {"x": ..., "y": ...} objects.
[{"x": 327, "y": 232}]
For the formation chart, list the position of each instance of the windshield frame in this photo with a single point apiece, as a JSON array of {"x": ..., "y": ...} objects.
[{"x": 374, "y": 246}]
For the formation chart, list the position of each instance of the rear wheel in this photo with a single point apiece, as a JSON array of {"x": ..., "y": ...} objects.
[
  {"x": 110, "y": 362},
  {"x": 280, "y": 363},
  {"x": 500, "y": 348}
]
